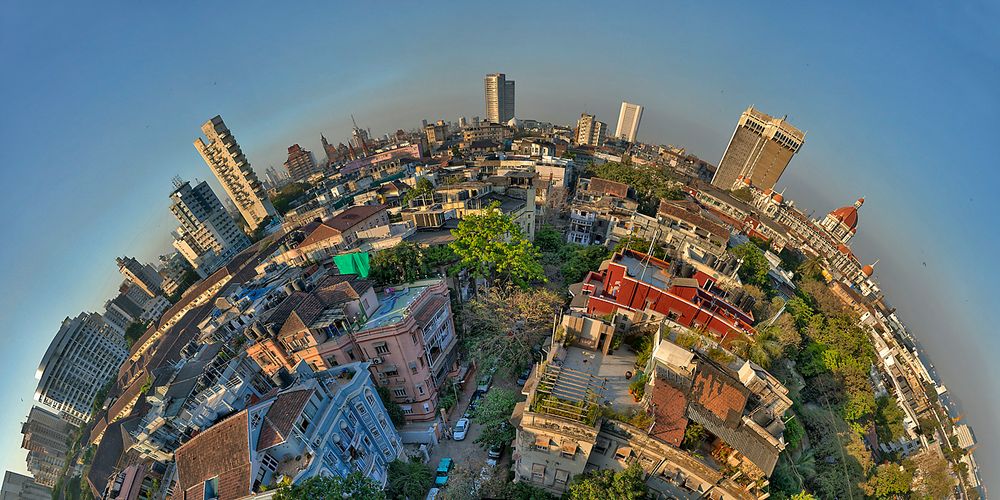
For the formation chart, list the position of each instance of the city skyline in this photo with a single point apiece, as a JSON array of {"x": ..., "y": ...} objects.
[{"x": 820, "y": 181}]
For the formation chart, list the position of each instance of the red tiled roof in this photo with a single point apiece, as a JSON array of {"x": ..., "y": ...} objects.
[
  {"x": 430, "y": 307},
  {"x": 719, "y": 393},
  {"x": 352, "y": 216},
  {"x": 669, "y": 407},
  {"x": 222, "y": 451},
  {"x": 281, "y": 416},
  {"x": 608, "y": 187}
]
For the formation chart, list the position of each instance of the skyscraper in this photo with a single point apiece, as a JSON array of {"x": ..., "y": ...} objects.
[
  {"x": 300, "y": 163},
  {"x": 81, "y": 359},
  {"x": 499, "y": 98},
  {"x": 207, "y": 236},
  {"x": 759, "y": 150},
  {"x": 628, "y": 121},
  {"x": 20, "y": 487},
  {"x": 589, "y": 131},
  {"x": 223, "y": 155},
  {"x": 44, "y": 436},
  {"x": 143, "y": 276}
]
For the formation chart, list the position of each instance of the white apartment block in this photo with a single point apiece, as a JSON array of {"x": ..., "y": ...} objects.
[{"x": 81, "y": 359}]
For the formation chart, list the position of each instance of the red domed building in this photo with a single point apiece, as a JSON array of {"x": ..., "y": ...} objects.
[{"x": 842, "y": 223}]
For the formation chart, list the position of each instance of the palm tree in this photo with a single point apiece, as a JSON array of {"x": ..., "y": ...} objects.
[
  {"x": 763, "y": 349},
  {"x": 798, "y": 465},
  {"x": 810, "y": 268}
]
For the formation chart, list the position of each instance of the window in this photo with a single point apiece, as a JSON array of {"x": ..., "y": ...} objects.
[
  {"x": 370, "y": 398},
  {"x": 407, "y": 410},
  {"x": 381, "y": 348},
  {"x": 537, "y": 472},
  {"x": 399, "y": 392},
  {"x": 420, "y": 389},
  {"x": 211, "y": 488},
  {"x": 562, "y": 477},
  {"x": 350, "y": 354}
]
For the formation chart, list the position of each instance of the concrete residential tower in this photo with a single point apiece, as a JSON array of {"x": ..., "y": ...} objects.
[
  {"x": 223, "y": 155},
  {"x": 759, "y": 151},
  {"x": 45, "y": 436},
  {"x": 590, "y": 131},
  {"x": 207, "y": 236},
  {"x": 628, "y": 121},
  {"x": 81, "y": 359},
  {"x": 499, "y": 98}
]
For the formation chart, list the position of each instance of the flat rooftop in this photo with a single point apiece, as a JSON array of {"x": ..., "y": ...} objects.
[
  {"x": 395, "y": 302},
  {"x": 648, "y": 273},
  {"x": 607, "y": 373}
]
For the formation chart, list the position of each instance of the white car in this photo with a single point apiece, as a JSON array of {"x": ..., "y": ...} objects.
[{"x": 461, "y": 429}]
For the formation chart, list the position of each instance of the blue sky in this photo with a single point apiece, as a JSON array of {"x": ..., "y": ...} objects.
[{"x": 900, "y": 106}]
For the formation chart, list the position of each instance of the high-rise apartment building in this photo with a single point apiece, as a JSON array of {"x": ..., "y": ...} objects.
[
  {"x": 499, "y": 98},
  {"x": 207, "y": 237},
  {"x": 759, "y": 151},
  {"x": 45, "y": 437},
  {"x": 590, "y": 131},
  {"x": 142, "y": 275},
  {"x": 20, "y": 487},
  {"x": 300, "y": 163},
  {"x": 223, "y": 155},
  {"x": 81, "y": 359},
  {"x": 628, "y": 121}
]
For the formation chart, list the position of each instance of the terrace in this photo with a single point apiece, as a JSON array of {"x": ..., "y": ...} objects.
[
  {"x": 575, "y": 382},
  {"x": 395, "y": 304}
]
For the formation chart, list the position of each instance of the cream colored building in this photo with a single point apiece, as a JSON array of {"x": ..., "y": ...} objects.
[
  {"x": 590, "y": 131},
  {"x": 759, "y": 150},
  {"x": 499, "y": 98},
  {"x": 628, "y": 121},
  {"x": 223, "y": 155}
]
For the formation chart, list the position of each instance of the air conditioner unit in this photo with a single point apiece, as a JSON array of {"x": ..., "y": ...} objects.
[{"x": 377, "y": 361}]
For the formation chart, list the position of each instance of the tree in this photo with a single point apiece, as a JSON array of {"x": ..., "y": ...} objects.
[
  {"x": 408, "y": 480},
  {"x": 548, "y": 240},
  {"x": 354, "y": 485},
  {"x": 556, "y": 203},
  {"x": 282, "y": 201},
  {"x": 937, "y": 481},
  {"x": 134, "y": 332},
  {"x": 803, "y": 495},
  {"x": 581, "y": 260},
  {"x": 754, "y": 268},
  {"x": 402, "y": 263},
  {"x": 888, "y": 419},
  {"x": 395, "y": 412},
  {"x": 503, "y": 324},
  {"x": 491, "y": 245},
  {"x": 493, "y": 414},
  {"x": 628, "y": 484},
  {"x": 423, "y": 189},
  {"x": 889, "y": 481},
  {"x": 693, "y": 434},
  {"x": 794, "y": 470},
  {"x": 762, "y": 349}
]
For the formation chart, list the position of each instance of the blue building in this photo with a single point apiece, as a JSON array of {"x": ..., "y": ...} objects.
[{"x": 330, "y": 422}]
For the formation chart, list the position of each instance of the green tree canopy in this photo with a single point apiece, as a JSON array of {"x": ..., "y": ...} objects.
[
  {"x": 493, "y": 415},
  {"x": 355, "y": 485},
  {"x": 491, "y": 245},
  {"x": 628, "y": 484},
  {"x": 889, "y": 481},
  {"x": 755, "y": 266},
  {"x": 503, "y": 324},
  {"x": 424, "y": 189},
  {"x": 408, "y": 480}
]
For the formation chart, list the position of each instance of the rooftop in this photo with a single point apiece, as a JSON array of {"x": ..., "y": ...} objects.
[{"x": 395, "y": 303}]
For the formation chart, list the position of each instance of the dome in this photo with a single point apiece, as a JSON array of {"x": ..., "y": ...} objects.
[
  {"x": 848, "y": 215},
  {"x": 746, "y": 180},
  {"x": 768, "y": 191},
  {"x": 778, "y": 198},
  {"x": 867, "y": 270}
]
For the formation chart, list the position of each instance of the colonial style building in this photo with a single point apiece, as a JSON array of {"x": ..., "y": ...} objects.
[{"x": 405, "y": 331}]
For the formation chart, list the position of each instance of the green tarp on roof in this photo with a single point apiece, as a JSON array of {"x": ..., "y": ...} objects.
[{"x": 358, "y": 263}]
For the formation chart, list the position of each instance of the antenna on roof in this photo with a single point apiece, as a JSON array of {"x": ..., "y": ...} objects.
[
  {"x": 354, "y": 122},
  {"x": 178, "y": 182}
]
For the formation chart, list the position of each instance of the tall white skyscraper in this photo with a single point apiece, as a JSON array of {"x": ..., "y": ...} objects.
[
  {"x": 223, "y": 155},
  {"x": 207, "y": 236},
  {"x": 628, "y": 121},
  {"x": 499, "y": 98},
  {"x": 81, "y": 359}
]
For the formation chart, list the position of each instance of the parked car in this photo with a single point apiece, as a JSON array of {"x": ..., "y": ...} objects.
[
  {"x": 485, "y": 382},
  {"x": 444, "y": 467},
  {"x": 461, "y": 429},
  {"x": 493, "y": 455},
  {"x": 523, "y": 379},
  {"x": 433, "y": 493},
  {"x": 473, "y": 404}
]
